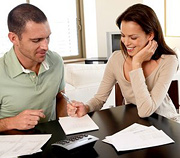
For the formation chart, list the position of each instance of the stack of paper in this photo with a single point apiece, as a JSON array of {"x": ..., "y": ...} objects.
[
  {"x": 73, "y": 125},
  {"x": 16, "y": 145},
  {"x": 138, "y": 136}
]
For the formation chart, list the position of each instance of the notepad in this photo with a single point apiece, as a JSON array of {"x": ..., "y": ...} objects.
[{"x": 72, "y": 125}]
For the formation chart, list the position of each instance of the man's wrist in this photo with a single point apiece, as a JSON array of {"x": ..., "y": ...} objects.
[{"x": 6, "y": 124}]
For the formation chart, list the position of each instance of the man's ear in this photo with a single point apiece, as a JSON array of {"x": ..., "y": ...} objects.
[
  {"x": 13, "y": 38},
  {"x": 151, "y": 36}
]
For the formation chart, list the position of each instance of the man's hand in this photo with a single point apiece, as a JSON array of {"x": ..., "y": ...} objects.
[{"x": 26, "y": 120}]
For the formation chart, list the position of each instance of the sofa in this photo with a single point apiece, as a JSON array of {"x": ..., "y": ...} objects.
[{"x": 83, "y": 80}]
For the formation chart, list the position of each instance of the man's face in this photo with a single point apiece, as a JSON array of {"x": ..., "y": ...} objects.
[{"x": 34, "y": 42}]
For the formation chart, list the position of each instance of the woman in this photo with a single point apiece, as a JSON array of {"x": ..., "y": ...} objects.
[{"x": 143, "y": 68}]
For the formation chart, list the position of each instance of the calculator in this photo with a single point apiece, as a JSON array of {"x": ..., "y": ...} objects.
[{"x": 77, "y": 141}]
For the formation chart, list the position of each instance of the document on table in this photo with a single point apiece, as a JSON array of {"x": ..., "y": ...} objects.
[
  {"x": 72, "y": 125},
  {"x": 16, "y": 145},
  {"x": 138, "y": 136}
]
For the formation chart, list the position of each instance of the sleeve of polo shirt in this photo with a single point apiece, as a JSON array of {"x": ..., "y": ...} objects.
[{"x": 62, "y": 81}]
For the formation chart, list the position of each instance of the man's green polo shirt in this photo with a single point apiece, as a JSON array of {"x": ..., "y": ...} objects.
[{"x": 20, "y": 91}]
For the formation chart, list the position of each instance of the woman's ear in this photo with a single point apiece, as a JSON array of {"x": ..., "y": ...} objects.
[{"x": 151, "y": 36}]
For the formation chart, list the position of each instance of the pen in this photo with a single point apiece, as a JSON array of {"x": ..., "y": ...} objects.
[
  {"x": 66, "y": 97},
  {"x": 68, "y": 100}
]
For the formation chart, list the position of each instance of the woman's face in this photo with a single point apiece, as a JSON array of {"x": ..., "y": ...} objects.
[{"x": 133, "y": 37}]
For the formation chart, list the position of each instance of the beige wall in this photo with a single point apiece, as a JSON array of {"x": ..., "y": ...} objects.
[
  {"x": 106, "y": 12},
  {"x": 173, "y": 42}
]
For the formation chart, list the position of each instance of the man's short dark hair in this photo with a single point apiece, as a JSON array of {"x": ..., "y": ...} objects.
[{"x": 21, "y": 14}]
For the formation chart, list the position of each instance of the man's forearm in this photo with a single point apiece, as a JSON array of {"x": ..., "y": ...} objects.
[
  {"x": 61, "y": 106},
  {"x": 5, "y": 124}
]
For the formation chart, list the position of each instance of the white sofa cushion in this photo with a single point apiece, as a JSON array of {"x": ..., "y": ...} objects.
[
  {"x": 83, "y": 74},
  {"x": 83, "y": 80}
]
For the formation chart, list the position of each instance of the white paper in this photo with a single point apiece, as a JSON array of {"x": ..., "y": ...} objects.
[
  {"x": 73, "y": 125},
  {"x": 16, "y": 145},
  {"x": 133, "y": 127},
  {"x": 138, "y": 137}
]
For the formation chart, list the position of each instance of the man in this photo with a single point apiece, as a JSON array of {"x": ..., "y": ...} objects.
[{"x": 31, "y": 76}]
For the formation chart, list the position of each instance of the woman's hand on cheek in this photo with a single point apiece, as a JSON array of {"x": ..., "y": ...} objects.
[{"x": 145, "y": 54}]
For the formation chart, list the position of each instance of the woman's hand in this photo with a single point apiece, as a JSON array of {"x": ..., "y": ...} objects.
[
  {"x": 145, "y": 54},
  {"x": 77, "y": 109}
]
